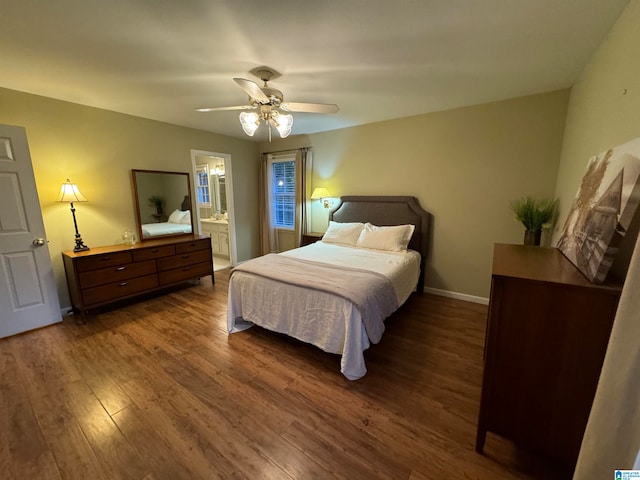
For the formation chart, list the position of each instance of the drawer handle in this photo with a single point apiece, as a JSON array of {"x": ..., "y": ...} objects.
[
  {"x": 119, "y": 269},
  {"x": 186, "y": 269},
  {"x": 185, "y": 256},
  {"x": 105, "y": 259},
  {"x": 154, "y": 250},
  {"x": 123, "y": 284}
]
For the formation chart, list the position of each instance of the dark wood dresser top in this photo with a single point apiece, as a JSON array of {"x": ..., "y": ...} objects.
[
  {"x": 136, "y": 246},
  {"x": 543, "y": 264}
]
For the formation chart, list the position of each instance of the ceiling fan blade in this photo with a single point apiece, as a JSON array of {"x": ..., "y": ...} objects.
[
  {"x": 220, "y": 109},
  {"x": 310, "y": 107},
  {"x": 252, "y": 89}
]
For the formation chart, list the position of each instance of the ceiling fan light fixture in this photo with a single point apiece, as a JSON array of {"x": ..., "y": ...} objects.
[
  {"x": 284, "y": 123},
  {"x": 268, "y": 104},
  {"x": 250, "y": 122}
]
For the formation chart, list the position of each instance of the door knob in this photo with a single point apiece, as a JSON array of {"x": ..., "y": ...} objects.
[{"x": 38, "y": 242}]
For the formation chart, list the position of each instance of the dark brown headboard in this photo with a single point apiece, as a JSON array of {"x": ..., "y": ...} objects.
[
  {"x": 186, "y": 203},
  {"x": 387, "y": 211}
]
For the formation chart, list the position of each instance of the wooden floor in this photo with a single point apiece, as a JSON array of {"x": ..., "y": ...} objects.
[{"x": 158, "y": 390}]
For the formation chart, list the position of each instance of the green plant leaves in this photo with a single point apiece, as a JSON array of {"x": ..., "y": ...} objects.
[{"x": 534, "y": 213}]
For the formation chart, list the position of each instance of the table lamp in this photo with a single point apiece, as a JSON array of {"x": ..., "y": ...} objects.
[{"x": 69, "y": 193}]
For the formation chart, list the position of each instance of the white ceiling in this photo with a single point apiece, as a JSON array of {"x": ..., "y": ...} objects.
[{"x": 376, "y": 59}]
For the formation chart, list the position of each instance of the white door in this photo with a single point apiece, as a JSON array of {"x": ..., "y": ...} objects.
[{"x": 28, "y": 297}]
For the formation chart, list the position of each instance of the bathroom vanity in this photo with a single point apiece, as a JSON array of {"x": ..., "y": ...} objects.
[{"x": 218, "y": 230}]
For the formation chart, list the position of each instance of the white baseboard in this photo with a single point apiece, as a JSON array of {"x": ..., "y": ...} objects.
[{"x": 457, "y": 296}]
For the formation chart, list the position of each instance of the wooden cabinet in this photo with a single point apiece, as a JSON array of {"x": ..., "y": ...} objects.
[
  {"x": 106, "y": 274},
  {"x": 309, "y": 238},
  {"x": 219, "y": 233},
  {"x": 547, "y": 334}
]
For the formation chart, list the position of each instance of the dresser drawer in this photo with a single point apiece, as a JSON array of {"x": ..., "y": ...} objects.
[
  {"x": 102, "y": 276},
  {"x": 153, "y": 252},
  {"x": 103, "y": 260},
  {"x": 184, "y": 259},
  {"x": 189, "y": 271},
  {"x": 117, "y": 290},
  {"x": 201, "y": 244}
]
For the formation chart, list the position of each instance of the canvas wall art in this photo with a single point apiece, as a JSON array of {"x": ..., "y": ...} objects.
[{"x": 604, "y": 206}]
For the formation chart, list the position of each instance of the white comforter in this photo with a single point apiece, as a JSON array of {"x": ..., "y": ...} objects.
[{"x": 322, "y": 319}]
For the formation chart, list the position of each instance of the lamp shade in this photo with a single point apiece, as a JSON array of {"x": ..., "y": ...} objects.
[
  {"x": 319, "y": 193},
  {"x": 250, "y": 122},
  {"x": 284, "y": 124},
  {"x": 69, "y": 193}
]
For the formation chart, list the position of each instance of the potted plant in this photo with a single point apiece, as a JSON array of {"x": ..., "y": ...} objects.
[
  {"x": 156, "y": 201},
  {"x": 534, "y": 215}
]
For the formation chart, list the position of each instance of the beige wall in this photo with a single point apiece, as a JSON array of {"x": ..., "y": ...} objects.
[
  {"x": 465, "y": 166},
  {"x": 604, "y": 107},
  {"x": 97, "y": 149},
  {"x": 601, "y": 115}
]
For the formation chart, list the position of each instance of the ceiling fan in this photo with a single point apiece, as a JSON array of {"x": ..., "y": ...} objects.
[{"x": 267, "y": 104}]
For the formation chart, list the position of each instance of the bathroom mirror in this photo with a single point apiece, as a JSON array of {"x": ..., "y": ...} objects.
[
  {"x": 211, "y": 192},
  {"x": 162, "y": 202},
  {"x": 218, "y": 193}
]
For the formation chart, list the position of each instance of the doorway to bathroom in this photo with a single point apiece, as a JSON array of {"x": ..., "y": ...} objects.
[{"x": 213, "y": 188}]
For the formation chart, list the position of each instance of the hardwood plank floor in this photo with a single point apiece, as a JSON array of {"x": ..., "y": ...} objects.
[{"x": 156, "y": 389}]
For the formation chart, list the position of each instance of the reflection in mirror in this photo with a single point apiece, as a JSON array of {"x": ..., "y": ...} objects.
[
  {"x": 211, "y": 195},
  {"x": 219, "y": 194},
  {"x": 163, "y": 203}
]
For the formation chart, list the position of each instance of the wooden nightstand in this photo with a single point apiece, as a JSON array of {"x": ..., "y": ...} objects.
[{"x": 309, "y": 238}]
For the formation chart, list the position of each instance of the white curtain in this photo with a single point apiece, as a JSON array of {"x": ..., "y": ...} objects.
[
  {"x": 268, "y": 234},
  {"x": 612, "y": 438},
  {"x": 303, "y": 168}
]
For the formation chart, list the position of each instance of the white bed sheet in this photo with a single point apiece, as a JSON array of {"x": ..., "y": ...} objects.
[
  {"x": 327, "y": 321},
  {"x": 164, "y": 228}
]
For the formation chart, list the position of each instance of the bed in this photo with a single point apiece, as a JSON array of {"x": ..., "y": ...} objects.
[
  {"x": 314, "y": 293},
  {"x": 164, "y": 228},
  {"x": 178, "y": 222}
]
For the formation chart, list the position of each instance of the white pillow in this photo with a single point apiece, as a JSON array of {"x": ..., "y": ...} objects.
[
  {"x": 393, "y": 239},
  {"x": 186, "y": 218},
  {"x": 343, "y": 233},
  {"x": 176, "y": 216}
]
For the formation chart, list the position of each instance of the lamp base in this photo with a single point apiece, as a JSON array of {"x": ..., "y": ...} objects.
[{"x": 80, "y": 246}]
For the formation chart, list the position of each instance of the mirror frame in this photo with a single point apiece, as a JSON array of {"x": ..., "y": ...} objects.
[{"x": 137, "y": 200}]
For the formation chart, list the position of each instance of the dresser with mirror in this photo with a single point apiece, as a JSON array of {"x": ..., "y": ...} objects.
[{"x": 167, "y": 251}]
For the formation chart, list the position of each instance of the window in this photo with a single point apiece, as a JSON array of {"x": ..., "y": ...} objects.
[
  {"x": 283, "y": 188},
  {"x": 204, "y": 197}
]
